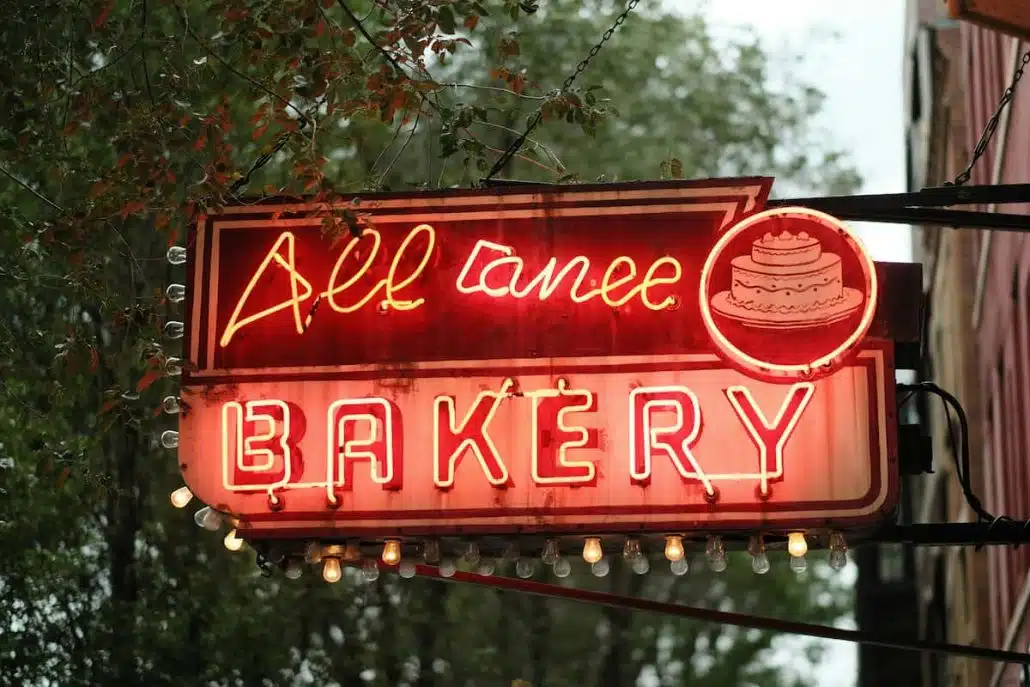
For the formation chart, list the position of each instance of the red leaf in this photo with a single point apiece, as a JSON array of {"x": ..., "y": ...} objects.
[
  {"x": 471, "y": 21},
  {"x": 320, "y": 27},
  {"x": 148, "y": 378},
  {"x": 161, "y": 221},
  {"x": 63, "y": 477},
  {"x": 260, "y": 131},
  {"x": 107, "y": 407},
  {"x": 124, "y": 160},
  {"x": 105, "y": 12}
]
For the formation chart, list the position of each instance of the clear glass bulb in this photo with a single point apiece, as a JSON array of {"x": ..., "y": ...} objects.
[
  {"x": 448, "y": 567},
  {"x": 760, "y": 563},
  {"x": 562, "y": 567},
  {"x": 600, "y": 568},
  {"x": 525, "y": 567},
  {"x": 170, "y": 438},
  {"x": 797, "y": 545},
  {"x": 838, "y": 551},
  {"x": 716, "y": 553},
  {"x": 181, "y": 497},
  {"x": 431, "y": 551},
  {"x": 486, "y": 567},
  {"x": 208, "y": 519},
  {"x": 332, "y": 571},
  {"x": 176, "y": 293},
  {"x": 679, "y": 566},
  {"x": 174, "y": 329},
  {"x": 313, "y": 552},
  {"x": 592, "y": 551},
  {"x": 232, "y": 541},
  {"x": 294, "y": 569},
  {"x": 631, "y": 549},
  {"x": 674, "y": 548},
  {"x": 171, "y": 405},
  {"x": 472, "y": 553},
  {"x": 640, "y": 565},
  {"x": 176, "y": 255},
  {"x": 798, "y": 564},
  {"x": 173, "y": 367},
  {"x": 406, "y": 569},
  {"x": 511, "y": 552},
  {"x": 392, "y": 552},
  {"x": 551, "y": 552},
  {"x": 370, "y": 570}
]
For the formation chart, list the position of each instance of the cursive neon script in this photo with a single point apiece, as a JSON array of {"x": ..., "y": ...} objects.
[
  {"x": 510, "y": 267},
  {"x": 345, "y": 292},
  {"x": 386, "y": 289}
]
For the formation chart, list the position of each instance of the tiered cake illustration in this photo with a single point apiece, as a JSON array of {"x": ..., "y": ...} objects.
[{"x": 787, "y": 281}]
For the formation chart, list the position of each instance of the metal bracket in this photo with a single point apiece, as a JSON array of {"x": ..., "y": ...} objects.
[
  {"x": 1001, "y": 532},
  {"x": 916, "y": 207}
]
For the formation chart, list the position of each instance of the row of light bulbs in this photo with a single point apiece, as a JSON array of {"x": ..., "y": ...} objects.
[{"x": 333, "y": 556}]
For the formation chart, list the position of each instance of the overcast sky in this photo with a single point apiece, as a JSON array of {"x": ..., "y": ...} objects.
[{"x": 853, "y": 53}]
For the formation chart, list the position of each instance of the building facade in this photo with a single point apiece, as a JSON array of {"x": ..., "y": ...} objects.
[{"x": 977, "y": 288}]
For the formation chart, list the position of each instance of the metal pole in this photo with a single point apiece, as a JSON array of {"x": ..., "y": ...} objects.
[{"x": 723, "y": 617}]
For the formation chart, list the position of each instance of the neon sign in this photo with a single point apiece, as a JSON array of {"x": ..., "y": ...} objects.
[{"x": 636, "y": 357}]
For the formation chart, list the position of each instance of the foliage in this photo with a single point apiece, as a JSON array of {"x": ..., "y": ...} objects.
[{"x": 121, "y": 120}]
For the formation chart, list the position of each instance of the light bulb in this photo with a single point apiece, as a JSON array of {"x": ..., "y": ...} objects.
[
  {"x": 760, "y": 563},
  {"x": 176, "y": 293},
  {"x": 431, "y": 551},
  {"x": 674, "y": 548},
  {"x": 716, "y": 553},
  {"x": 600, "y": 568},
  {"x": 181, "y": 496},
  {"x": 294, "y": 569},
  {"x": 208, "y": 519},
  {"x": 486, "y": 567},
  {"x": 562, "y": 567},
  {"x": 838, "y": 551},
  {"x": 472, "y": 553},
  {"x": 640, "y": 565},
  {"x": 759, "y": 559},
  {"x": 313, "y": 552},
  {"x": 798, "y": 564},
  {"x": 392, "y": 552},
  {"x": 525, "y": 567},
  {"x": 174, "y": 329},
  {"x": 170, "y": 438},
  {"x": 332, "y": 571},
  {"x": 406, "y": 569},
  {"x": 173, "y": 367},
  {"x": 232, "y": 542},
  {"x": 511, "y": 552},
  {"x": 447, "y": 567},
  {"x": 176, "y": 255},
  {"x": 592, "y": 552},
  {"x": 631, "y": 549},
  {"x": 370, "y": 570},
  {"x": 797, "y": 546},
  {"x": 171, "y": 405},
  {"x": 551, "y": 553},
  {"x": 679, "y": 566}
]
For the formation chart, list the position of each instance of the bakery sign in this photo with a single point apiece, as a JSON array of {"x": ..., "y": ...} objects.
[{"x": 621, "y": 358}]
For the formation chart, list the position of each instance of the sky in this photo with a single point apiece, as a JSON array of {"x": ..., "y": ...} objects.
[{"x": 853, "y": 52}]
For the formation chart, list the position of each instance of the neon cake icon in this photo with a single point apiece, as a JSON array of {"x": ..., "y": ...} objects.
[{"x": 787, "y": 282}]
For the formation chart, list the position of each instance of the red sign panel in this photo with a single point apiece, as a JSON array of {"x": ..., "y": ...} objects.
[{"x": 545, "y": 360}]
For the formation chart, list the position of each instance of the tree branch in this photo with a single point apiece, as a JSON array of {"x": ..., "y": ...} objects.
[{"x": 31, "y": 190}]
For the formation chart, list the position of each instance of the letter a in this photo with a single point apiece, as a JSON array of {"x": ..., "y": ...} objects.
[
  {"x": 289, "y": 264},
  {"x": 450, "y": 441}
]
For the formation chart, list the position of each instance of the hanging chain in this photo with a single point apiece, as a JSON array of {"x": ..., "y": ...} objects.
[
  {"x": 580, "y": 68},
  {"x": 992, "y": 123}
]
